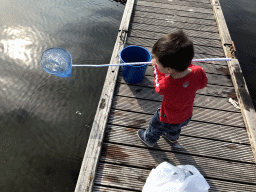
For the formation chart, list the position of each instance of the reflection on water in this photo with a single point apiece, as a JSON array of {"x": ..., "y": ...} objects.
[
  {"x": 46, "y": 120},
  {"x": 16, "y": 45}
]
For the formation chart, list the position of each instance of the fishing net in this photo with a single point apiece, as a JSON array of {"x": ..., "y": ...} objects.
[{"x": 57, "y": 61}]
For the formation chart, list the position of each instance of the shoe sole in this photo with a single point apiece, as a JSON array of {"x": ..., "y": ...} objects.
[
  {"x": 144, "y": 141},
  {"x": 169, "y": 139}
]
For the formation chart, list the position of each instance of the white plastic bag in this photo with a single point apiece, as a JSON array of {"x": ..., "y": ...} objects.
[{"x": 169, "y": 178}]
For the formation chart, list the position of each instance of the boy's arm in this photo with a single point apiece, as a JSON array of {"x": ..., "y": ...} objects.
[
  {"x": 204, "y": 79},
  {"x": 159, "y": 80}
]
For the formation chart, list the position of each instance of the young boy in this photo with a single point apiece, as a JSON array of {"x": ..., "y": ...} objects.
[{"x": 172, "y": 57}]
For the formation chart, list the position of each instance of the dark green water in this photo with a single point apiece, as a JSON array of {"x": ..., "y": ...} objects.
[
  {"x": 240, "y": 16},
  {"x": 45, "y": 121}
]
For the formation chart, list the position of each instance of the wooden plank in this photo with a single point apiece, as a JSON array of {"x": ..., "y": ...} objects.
[
  {"x": 186, "y": 145},
  {"x": 92, "y": 153},
  {"x": 221, "y": 91},
  {"x": 198, "y": 55},
  {"x": 172, "y": 16},
  {"x": 199, "y": 49},
  {"x": 149, "y": 94},
  {"x": 174, "y": 24},
  {"x": 166, "y": 12},
  {"x": 206, "y": 4},
  {"x": 197, "y": 2},
  {"x": 154, "y": 33},
  {"x": 221, "y": 23},
  {"x": 164, "y": 30},
  {"x": 121, "y": 176},
  {"x": 213, "y": 131},
  {"x": 175, "y": 6},
  {"x": 149, "y": 158},
  {"x": 245, "y": 101}
]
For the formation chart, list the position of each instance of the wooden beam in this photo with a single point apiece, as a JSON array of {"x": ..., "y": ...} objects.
[
  {"x": 94, "y": 145},
  {"x": 245, "y": 102},
  {"x": 222, "y": 26},
  {"x": 243, "y": 95}
]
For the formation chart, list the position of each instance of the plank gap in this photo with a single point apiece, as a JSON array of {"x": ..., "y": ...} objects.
[{"x": 113, "y": 187}]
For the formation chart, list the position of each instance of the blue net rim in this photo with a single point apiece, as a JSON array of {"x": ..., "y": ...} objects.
[{"x": 57, "y": 49}]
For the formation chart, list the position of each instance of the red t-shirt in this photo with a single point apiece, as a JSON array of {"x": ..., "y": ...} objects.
[{"x": 179, "y": 94}]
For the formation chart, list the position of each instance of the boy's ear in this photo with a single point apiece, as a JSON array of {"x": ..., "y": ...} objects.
[{"x": 170, "y": 70}]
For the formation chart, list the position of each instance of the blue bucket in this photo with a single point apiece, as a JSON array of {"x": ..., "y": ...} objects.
[{"x": 134, "y": 73}]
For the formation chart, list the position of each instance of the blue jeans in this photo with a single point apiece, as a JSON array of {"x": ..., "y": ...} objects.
[{"x": 157, "y": 128}]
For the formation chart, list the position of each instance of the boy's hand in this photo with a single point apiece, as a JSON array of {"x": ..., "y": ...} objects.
[{"x": 153, "y": 62}]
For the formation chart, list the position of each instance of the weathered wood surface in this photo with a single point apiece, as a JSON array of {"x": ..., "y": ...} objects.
[
  {"x": 222, "y": 26},
  {"x": 171, "y": 23},
  {"x": 186, "y": 3},
  {"x": 213, "y": 168},
  {"x": 197, "y": 129},
  {"x": 138, "y": 34},
  {"x": 172, "y": 17},
  {"x": 173, "y": 7},
  {"x": 166, "y": 9},
  {"x": 138, "y": 163},
  {"x": 199, "y": 49},
  {"x": 187, "y": 145}
]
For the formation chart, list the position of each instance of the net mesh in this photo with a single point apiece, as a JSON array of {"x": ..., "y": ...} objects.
[{"x": 57, "y": 61}]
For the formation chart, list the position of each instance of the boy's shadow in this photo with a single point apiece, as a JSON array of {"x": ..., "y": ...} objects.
[{"x": 147, "y": 100}]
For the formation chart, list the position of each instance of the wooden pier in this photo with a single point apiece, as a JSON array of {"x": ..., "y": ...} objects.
[{"x": 220, "y": 139}]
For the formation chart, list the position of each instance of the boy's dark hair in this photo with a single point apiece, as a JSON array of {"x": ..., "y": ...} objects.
[{"x": 174, "y": 50}]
